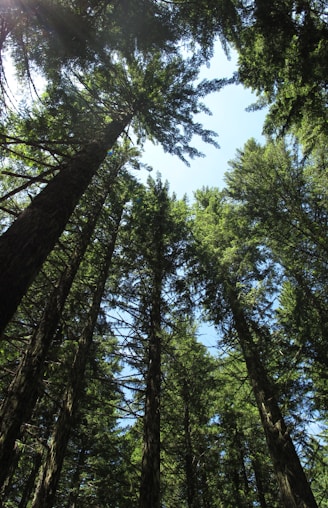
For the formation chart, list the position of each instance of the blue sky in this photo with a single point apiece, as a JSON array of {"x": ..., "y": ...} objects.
[
  {"x": 230, "y": 121},
  {"x": 234, "y": 127}
]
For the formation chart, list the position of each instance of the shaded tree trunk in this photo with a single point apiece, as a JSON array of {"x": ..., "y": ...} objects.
[
  {"x": 75, "y": 485},
  {"x": 29, "y": 486},
  {"x": 294, "y": 488},
  {"x": 22, "y": 395},
  {"x": 50, "y": 472},
  {"x": 259, "y": 483},
  {"x": 150, "y": 472},
  {"x": 27, "y": 243},
  {"x": 150, "y": 469},
  {"x": 242, "y": 473},
  {"x": 189, "y": 456}
]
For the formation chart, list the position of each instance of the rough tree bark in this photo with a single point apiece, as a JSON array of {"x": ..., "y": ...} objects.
[
  {"x": 27, "y": 243},
  {"x": 294, "y": 488},
  {"x": 22, "y": 394}
]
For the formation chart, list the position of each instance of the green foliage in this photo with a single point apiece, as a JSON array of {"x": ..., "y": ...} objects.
[
  {"x": 264, "y": 237},
  {"x": 282, "y": 53}
]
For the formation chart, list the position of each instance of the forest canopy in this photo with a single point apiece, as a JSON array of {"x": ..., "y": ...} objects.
[{"x": 108, "y": 395}]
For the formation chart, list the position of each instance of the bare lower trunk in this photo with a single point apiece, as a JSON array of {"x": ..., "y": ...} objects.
[
  {"x": 27, "y": 243},
  {"x": 23, "y": 392},
  {"x": 150, "y": 470},
  {"x": 294, "y": 488},
  {"x": 150, "y": 474},
  {"x": 50, "y": 473},
  {"x": 189, "y": 456}
]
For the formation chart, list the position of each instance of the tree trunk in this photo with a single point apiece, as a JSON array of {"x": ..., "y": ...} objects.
[
  {"x": 150, "y": 469},
  {"x": 37, "y": 460},
  {"x": 259, "y": 483},
  {"x": 76, "y": 482},
  {"x": 150, "y": 473},
  {"x": 294, "y": 488},
  {"x": 242, "y": 474},
  {"x": 22, "y": 395},
  {"x": 50, "y": 473},
  {"x": 27, "y": 243},
  {"x": 189, "y": 456}
]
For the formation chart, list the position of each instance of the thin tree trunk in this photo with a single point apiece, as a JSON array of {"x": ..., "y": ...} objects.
[
  {"x": 239, "y": 444},
  {"x": 50, "y": 473},
  {"x": 294, "y": 488},
  {"x": 22, "y": 395},
  {"x": 37, "y": 460},
  {"x": 259, "y": 483},
  {"x": 150, "y": 470},
  {"x": 189, "y": 456},
  {"x": 27, "y": 243}
]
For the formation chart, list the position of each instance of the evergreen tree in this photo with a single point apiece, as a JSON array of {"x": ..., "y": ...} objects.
[
  {"x": 22, "y": 394},
  {"x": 51, "y": 468},
  {"x": 155, "y": 233},
  {"x": 227, "y": 293},
  {"x": 283, "y": 195},
  {"x": 158, "y": 95}
]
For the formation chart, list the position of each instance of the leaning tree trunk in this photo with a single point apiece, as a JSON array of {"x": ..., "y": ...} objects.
[
  {"x": 50, "y": 472},
  {"x": 27, "y": 243},
  {"x": 22, "y": 394},
  {"x": 294, "y": 488}
]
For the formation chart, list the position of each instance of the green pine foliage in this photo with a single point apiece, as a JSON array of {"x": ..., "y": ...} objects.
[{"x": 249, "y": 260}]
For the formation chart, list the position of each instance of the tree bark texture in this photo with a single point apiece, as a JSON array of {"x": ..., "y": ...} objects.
[
  {"x": 50, "y": 472},
  {"x": 22, "y": 394},
  {"x": 27, "y": 243},
  {"x": 294, "y": 488}
]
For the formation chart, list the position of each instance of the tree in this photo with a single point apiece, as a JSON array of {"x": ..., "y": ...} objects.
[
  {"x": 283, "y": 195},
  {"x": 51, "y": 468},
  {"x": 282, "y": 50},
  {"x": 155, "y": 233},
  {"x": 218, "y": 234},
  {"x": 188, "y": 406},
  {"x": 34, "y": 233},
  {"x": 22, "y": 394}
]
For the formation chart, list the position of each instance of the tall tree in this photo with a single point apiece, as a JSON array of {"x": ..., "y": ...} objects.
[
  {"x": 51, "y": 469},
  {"x": 284, "y": 196},
  {"x": 188, "y": 396},
  {"x": 22, "y": 394},
  {"x": 155, "y": 234},
  {"x": 235, "y": 265},
  {"x": 156, "y": 96}
]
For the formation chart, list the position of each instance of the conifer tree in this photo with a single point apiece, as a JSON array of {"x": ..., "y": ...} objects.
[{"x": 235, "y": 268}]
